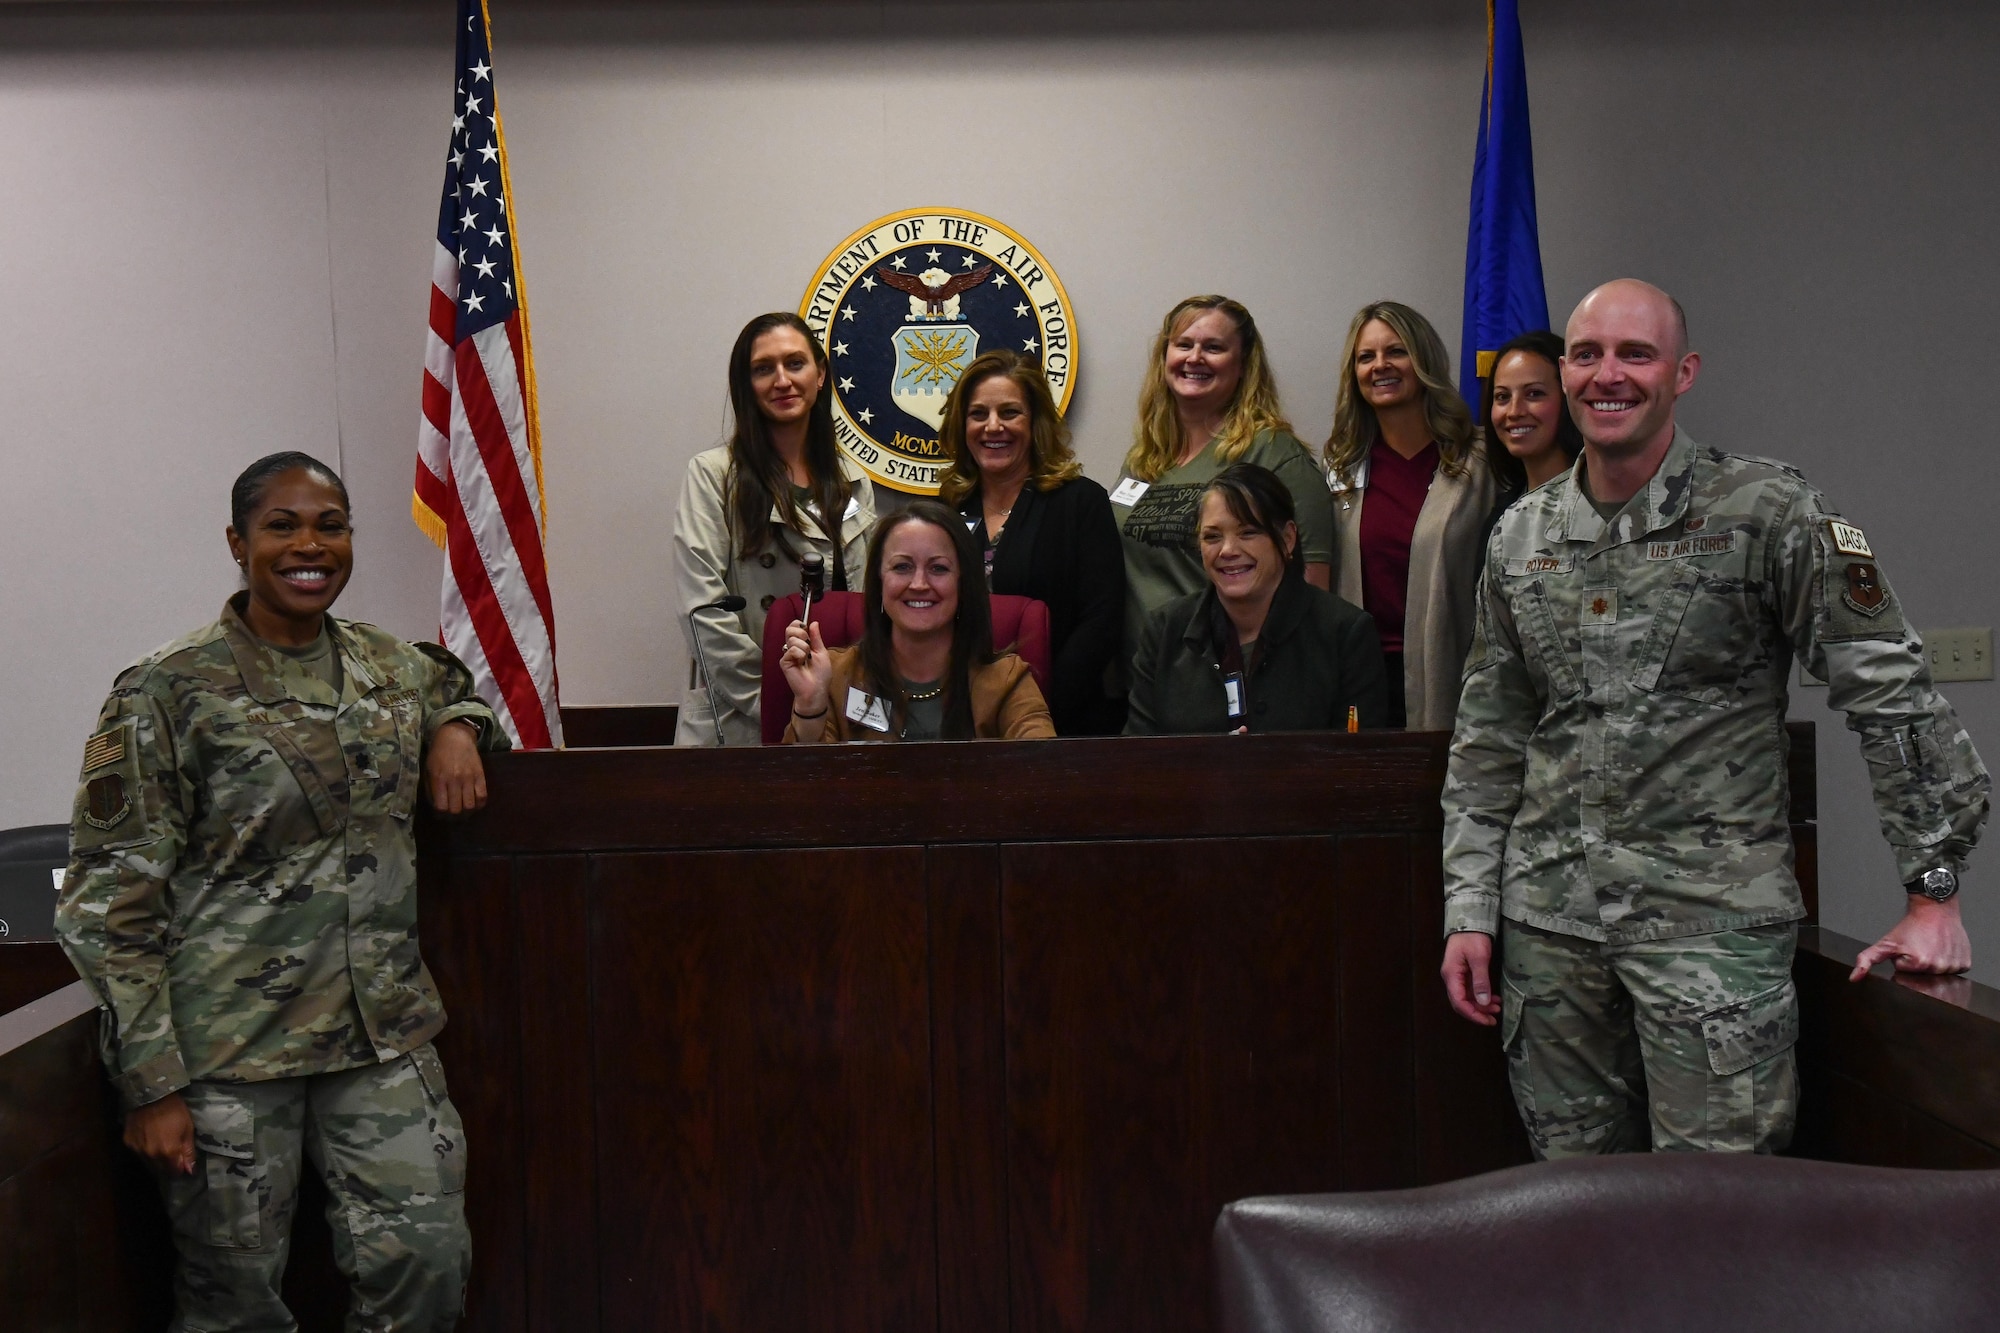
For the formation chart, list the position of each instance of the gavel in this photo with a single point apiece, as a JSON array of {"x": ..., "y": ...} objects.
[{"x": 812, "y": 582}]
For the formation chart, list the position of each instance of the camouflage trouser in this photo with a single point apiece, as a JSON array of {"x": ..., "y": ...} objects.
[
  {"x": 388, "y": 1143},
  {"x": 1683, "y": 1043}
]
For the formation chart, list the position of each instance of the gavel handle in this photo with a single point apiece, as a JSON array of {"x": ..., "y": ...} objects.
[{"x": 805, "y": 616}]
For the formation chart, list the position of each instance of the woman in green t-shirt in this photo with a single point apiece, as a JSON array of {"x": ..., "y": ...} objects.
[{"x": 1208, "y": 401}]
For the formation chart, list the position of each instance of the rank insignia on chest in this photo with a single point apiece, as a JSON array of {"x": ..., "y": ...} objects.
[
  {"x": 1864, "y": 589},
  {"x": 1848, "y": 539},
  {"x": 1600, "y": 606}
]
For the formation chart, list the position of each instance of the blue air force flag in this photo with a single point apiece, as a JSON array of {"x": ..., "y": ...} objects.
[{"x": 1503, "y": 253}]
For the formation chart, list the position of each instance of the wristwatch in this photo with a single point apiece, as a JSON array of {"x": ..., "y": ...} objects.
[{"x": 1936, "y": 884}]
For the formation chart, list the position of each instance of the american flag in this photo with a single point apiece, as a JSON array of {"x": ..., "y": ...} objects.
[{"x": 479, "y": 455}]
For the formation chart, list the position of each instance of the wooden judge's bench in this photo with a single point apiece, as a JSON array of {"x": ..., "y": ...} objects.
[{"x": 955, "y": 1037}]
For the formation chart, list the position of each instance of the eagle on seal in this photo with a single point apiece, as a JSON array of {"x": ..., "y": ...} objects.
[{"x": 932, "y": 288}]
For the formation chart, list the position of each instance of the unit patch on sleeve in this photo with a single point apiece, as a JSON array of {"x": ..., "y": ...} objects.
[
  {"x": 105, "y": 801},
  {"x": 1864, "y": 588},
  {"x": 1847, "y": 539}
]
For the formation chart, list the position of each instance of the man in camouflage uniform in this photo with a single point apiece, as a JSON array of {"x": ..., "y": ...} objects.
[
  {"x": 1615, "y": 807},
  {"x": 241, "y": 895}
]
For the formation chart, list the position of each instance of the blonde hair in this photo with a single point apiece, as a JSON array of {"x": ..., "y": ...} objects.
[
  {"x": 1051, "y": 462},
  {"x": 1355, "y": 428},
  {"x": 1253, "y": 409}
]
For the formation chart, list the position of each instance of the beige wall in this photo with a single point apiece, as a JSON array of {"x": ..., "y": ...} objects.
[{"x": 215, "y": 232}]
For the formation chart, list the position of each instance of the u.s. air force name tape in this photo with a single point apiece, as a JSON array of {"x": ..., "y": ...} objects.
[{"x": 904, "y": 305}]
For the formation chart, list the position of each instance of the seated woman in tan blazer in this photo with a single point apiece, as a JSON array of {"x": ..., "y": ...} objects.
[
  {"x": 925, "y": 668},
  {"x": 1411, "y": 497}
]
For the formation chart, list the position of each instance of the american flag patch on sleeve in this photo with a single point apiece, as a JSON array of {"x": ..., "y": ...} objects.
[{"x": 104, "y": 749}]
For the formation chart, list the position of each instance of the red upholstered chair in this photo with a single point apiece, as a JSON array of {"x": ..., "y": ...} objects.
[{"x": 1020, "y": 624}]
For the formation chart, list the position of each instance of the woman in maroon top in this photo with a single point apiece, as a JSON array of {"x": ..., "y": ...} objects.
[{"x": 1411, "y": 498}]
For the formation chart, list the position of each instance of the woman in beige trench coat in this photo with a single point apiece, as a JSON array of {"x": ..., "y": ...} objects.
[{"x": 751, "y": 509}]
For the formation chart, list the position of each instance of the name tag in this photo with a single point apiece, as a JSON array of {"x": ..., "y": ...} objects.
[
  {"x": 1722, "y": 544},
  {"x": 867, "y": 710},
  {"x": 1129, "y": 491},
  {"x": 1539, "y": 564},
  {"x": 1232, "y": 695},
  {"x": 1848, "y": 540}
]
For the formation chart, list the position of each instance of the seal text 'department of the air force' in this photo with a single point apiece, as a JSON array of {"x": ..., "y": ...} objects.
[{"x": 904, "y": 305}]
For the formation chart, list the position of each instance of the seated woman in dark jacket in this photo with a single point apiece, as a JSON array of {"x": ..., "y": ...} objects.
[
  {"x": 1259, "y": 649},
  {"x": 1045, "y": 529}
]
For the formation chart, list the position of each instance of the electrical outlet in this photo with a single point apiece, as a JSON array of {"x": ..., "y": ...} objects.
[{"x": 1960, "y": 654}]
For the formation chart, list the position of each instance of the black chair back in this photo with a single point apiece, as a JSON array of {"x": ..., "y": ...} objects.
[{"x": 28, "y": 859}]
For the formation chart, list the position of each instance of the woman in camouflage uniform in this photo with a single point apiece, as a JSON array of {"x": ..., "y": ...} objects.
[{"x": 241, "y": 896}]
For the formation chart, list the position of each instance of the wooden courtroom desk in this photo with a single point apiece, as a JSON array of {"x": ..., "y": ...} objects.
[{"x": 982, "y": 1036}]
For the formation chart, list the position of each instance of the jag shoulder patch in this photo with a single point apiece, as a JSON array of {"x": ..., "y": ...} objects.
[
  {"x": 104, "y": 749},
  {"x": 1848, "y": 539}
]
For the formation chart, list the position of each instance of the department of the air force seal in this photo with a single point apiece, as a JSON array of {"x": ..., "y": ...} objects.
[{"x": 904, "y": 305}]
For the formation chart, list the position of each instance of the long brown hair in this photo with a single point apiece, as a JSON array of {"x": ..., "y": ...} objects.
[
  {"x": 971, "y": 623},
  {"x": 1355, "y": 428},
  {"x": 1051, "y": 462},
  {"x": 1253, "y": 411},
  {"x": 757, "y": 476},
  {"x": 1508, "y": 471}
]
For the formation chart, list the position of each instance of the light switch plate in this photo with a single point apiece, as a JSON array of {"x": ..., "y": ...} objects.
[{"x": 1960, "y": 654}]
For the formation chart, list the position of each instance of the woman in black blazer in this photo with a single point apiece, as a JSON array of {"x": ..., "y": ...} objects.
[{"x": 1045, "y": 529}]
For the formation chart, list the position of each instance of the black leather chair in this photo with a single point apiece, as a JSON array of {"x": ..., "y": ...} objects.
[
  {"x": 27, "y": 889},
  {"x": 1642, "y": 1244}
]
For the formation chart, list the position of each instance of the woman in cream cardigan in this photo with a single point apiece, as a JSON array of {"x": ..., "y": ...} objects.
[
  {"x": 1411, "y": 493},
  {"x": 780, "y": 489}
]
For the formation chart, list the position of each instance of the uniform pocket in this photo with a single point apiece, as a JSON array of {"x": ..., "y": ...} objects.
[
  {"x": 1510, "y": 1015},
  {"x": 447, "y": 1130},
  {"x": 1753, "y": 1076},
  {"x": 389, "y": 750},
  {"x": 1749, "y": 1032},
  {"x": 1541, "y": 641},
  {"x": 1704, "y": 641},
  {"x": 278, "y": 800},
  {"x": 224, "y": 1203}
]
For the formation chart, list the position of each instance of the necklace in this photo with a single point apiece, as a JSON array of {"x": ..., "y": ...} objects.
[{"x": 931, "y": 693}]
